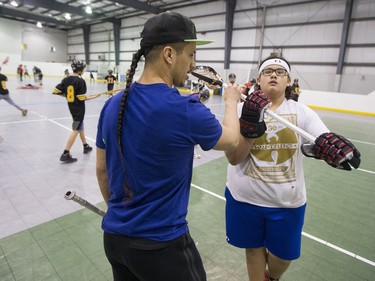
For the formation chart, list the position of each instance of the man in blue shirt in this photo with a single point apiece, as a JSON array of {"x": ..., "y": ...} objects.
[{"x": 145, "y": 147}]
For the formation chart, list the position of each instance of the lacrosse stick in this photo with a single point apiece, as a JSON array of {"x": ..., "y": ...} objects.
[
  {"x": 71, "y": 195},
  {"x": 209, "y": 75},
  {"x": 85, "y": 97}
]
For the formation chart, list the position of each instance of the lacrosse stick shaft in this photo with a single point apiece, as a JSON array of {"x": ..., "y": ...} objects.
[
  {"x": 286, "y": 123},
  {"x": 71, "y": 195},
  {"x": 84, "y": 96},
  {"x": 291, "y": 126}
]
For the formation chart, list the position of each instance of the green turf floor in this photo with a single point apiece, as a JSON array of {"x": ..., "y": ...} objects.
[{"x": 340, "y": 211}]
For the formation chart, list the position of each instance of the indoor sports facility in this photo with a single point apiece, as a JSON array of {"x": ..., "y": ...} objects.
[{"x": 331, "y": 47}]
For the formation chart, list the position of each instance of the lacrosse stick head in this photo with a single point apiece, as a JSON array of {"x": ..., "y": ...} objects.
[{"x": 207, "y": 74}]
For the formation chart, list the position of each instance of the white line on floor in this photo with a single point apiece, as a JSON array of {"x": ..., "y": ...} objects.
[
  {"x": 365, "y": 142},
  {"x": 337, "y": 248}
]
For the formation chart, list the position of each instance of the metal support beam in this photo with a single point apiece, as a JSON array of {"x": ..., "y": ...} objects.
[
  {"x": 17, "y": 13},
  {"x": 229, "y": 17},
  {"x": 140, "y": 6},
  {"x": 116, "y": 37},
  {"x": 262, "y": 35},
  {"x": 344, "y": 35},
  {"x": 58, "y": 6},
  {"x": 86, "y": 42}
]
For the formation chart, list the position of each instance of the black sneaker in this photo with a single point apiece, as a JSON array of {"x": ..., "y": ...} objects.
[
  {"x": 86, "y": 149},
  {"x": 67, "y": 158}
]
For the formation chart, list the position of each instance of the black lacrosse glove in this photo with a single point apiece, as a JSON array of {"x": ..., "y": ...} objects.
[
  {"x": 336, "y": 150},
  {"x": 252, "y": 118}
]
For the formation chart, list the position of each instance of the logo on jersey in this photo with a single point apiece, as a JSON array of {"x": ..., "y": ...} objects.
[{"x": 272, "y": 154}]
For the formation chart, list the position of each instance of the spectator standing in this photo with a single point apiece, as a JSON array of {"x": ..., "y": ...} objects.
[{"x": 20, "y": 72}]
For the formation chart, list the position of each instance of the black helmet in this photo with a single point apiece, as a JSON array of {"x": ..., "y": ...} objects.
[
  {"x": 204, "y": 95},
  {"x": 232, "y": 75},
  {"x": 296, "y": 80},
  {"x": 110, "y": 71},
  {"x": 78, "y": 65}
]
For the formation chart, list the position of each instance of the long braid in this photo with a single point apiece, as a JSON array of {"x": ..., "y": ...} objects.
[{"x": 129, "y": 79}]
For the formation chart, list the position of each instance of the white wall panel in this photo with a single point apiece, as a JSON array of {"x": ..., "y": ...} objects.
[
  {"x": 244, "y": 38},
  {"x": 311, "y": 12},
  {"x": 243, "y": 55},
  {"x": 319, "y": 69},
  {"x": 209, "y": 55},
  {"x": 246, "y": 4},
  {"x": 193, "y": 11},
  {"x": 75, "y": 32},
  {"x": 99, "y": 47},
  {"x": 131, "y": 32},
  {"x": 360, "y": 55},
  {"x": 214, "y": 22},
  {"x": 75, "y": 40},
  {"x": 303, "y": 35},
  {"x": 362, "y": 32},
  {"x": 363, "y": 8},
  {"x": 129, "y": 45},
  {"x": 13, "y": 43},
  {"x": 105, "y": 26},
  {"x": 127, "y": 56},
  {"x": 245, "y": 19},
  {"x": 101, "y": 36},
  {"x": 368, "y": 72},
  {"x": 312, "y": 55}
]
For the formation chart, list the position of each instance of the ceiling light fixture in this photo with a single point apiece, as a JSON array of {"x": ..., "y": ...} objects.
[
  {"x": 39, "y": 24},
  {"x": 14, "y": 3},
  {"x": 67, "y": 16},
  {"x": 88, "y": 10}
]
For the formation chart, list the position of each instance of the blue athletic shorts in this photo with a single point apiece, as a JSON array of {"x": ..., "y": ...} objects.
[{"x": 277, "y": 229}]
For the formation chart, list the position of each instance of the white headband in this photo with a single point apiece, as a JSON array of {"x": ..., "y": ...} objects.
[{"x": 274, "y": 61}]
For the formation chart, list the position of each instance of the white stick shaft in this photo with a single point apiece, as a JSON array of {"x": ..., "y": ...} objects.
[
  {"x": 286, "y": 123},
  {"x": 291, "y": 126}
]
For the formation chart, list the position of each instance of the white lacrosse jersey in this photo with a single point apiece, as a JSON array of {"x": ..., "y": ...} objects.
[{"x": 272, "y": 175}]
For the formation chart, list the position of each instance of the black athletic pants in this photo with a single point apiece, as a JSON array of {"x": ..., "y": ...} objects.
[{"x": 136, "y": 259}]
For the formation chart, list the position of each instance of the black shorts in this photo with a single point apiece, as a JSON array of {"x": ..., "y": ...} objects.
[
  {"x": 110, "y": 87},
  {"x": 78, "y": 114},
  {"x": 137, "y": 259}
]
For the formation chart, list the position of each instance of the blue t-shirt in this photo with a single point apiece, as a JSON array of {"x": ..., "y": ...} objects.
[{"x": 160, "y": 130}]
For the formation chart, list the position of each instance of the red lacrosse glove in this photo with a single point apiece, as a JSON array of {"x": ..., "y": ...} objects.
[
  {"x": 336, "y": 150},
  {"x": 252, "y": 118}
]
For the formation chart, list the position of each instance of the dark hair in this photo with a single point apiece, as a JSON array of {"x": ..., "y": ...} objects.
[
  {"x": 150, "y": 54},
  {"x": 288, "y": 89},
  {"x": 129, "y": 79}
]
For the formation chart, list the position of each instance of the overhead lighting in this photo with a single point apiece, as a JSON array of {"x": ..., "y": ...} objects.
[
  {"x": 88, "y": 10},
  {"x": 67, "y": 16},
  {"x": 14, "y": 3},
  {"x": 39, "y": 24}
]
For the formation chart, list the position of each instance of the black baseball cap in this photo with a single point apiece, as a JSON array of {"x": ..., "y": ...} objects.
[{"x": 169, "y": 27}]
